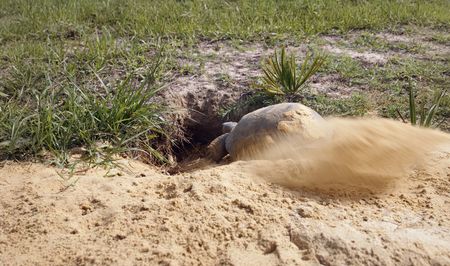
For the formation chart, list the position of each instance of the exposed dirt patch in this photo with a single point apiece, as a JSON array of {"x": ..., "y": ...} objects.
[
  {"x": 333, "y": 86},
  {"x": 366, "y": 57}
]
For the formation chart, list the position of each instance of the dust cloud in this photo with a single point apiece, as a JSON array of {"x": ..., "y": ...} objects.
[{"x": 360, "y": 153}]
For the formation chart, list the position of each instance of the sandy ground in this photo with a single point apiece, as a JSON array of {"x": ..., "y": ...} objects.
[{"x": 222, "y": 214}]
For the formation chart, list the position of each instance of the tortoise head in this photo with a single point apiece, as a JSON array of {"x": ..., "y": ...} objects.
[{"x": 227, "y": 127}]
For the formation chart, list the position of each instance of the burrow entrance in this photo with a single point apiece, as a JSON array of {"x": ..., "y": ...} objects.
[{"x": 199, "y": 118}]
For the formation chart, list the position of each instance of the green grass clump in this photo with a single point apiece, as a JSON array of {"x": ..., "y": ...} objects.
[
  {"x": 351, "y": 71},
  {"x": 441, "y": 38},
  {"x": 375, "y": 43},
  {"x": 93, "y": 93},
  {"x": 357, "y": 104},
  {"x": 103, "y": 125}
]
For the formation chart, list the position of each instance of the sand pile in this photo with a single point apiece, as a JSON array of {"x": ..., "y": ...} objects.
[{"x": 231, "y": 215}]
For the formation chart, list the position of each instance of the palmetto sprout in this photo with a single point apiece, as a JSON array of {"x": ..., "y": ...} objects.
[
  {"x": 422, "y": 117},
  {"x": 282, "y": 77}
]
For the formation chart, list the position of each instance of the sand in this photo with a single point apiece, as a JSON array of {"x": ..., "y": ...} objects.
[{"x": 233, "y": 215}]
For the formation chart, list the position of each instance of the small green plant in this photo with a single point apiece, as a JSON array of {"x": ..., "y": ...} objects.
[
  {"x": 283, "y": 78},
  {"x": 283, "y": 81},
  {"x": 422, "y": 117}
]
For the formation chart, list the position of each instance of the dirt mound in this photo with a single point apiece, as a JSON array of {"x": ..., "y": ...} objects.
[{"x": 224, "y": 215}]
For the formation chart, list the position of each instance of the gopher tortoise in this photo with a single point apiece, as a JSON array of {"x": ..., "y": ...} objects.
[{"x": 265, "y": 127}]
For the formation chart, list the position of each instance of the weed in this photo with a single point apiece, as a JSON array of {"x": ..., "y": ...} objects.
[{"x": 422, "y": 117}]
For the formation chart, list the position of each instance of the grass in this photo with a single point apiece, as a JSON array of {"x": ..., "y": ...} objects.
[
  {"x": 187, "y": 19},
  {"x": 357, "y": 104},
  {"x": 352, "y": 72},
  {"x": 59, "y": 119},
  {"x": 384, "y": 83},
  {"x": 441, "y": 38},
  {"x": 223, "y": 80},
  {"x": 93, "y": 92},
  {"x": 375, "y": 43}
]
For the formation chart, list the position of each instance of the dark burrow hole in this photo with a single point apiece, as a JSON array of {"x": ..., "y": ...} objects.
[
  {"x": 195, "y": 144},
  {"x": 198, "y": 136}
]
